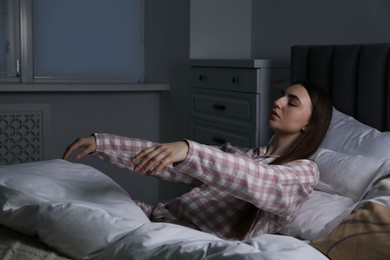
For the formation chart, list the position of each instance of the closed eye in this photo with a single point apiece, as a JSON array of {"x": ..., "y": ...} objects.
[{"x": 293, "y": 100}]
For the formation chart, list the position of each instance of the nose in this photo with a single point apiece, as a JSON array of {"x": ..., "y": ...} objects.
[{"x": 278, "y": 102}]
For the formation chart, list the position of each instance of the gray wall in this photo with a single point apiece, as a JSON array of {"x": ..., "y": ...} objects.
[
  {"x": 221, "y": 29},
  {"x": 279, "y": 24},
  {"x": 167, "y": 53}
]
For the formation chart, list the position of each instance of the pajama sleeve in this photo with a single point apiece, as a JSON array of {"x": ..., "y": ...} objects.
[
  {"x": 119, "y": 150},
  {"x": 278, "y": 189}
]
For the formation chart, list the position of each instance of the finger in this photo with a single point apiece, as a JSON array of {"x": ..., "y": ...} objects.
[
  {"x": 86, "y": 143},
  {"x": 84, "y": 152},
  {"x": 153, "y": 158},
  {"x": 145, "y": 153},
  {"x": 164, "y": 162},
  {"x": 147, "y": 161},
  {"x": 70, "y": 149},
  {"x": 137, "y": 158},
  {"x": 154, "y": 163},
  {"x": 164, "y": 158},
  {"x": 65, "y": 156}
]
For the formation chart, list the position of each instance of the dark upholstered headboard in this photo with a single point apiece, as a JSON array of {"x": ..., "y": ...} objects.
[{"x": 357, "y": 76}]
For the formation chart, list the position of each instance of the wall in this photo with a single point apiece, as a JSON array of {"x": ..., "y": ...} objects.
[
  {"x": 279, "y": 24},
  {"x": 166, "y": 60},
  {"x": 167, "y": 54},
  {"x": 219, "y": 28}
]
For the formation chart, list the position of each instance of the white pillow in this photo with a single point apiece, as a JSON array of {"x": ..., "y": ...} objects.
[
  {"x": 344, "y": 180},
  {"x": 350, "y": 159},
  {"x": 314, "y": 213},
  {"x": 348, "y": 175},
  {"x": 72, "y": 207},
  {"x": 348, "y": 135}
]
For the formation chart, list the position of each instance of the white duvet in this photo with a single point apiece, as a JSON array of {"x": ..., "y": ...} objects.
[{"x": 81, "y": 213}]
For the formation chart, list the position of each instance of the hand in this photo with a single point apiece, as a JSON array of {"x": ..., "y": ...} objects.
[
  {"x": 88, "y": 143},
  {"x": 153, "y": 159}
]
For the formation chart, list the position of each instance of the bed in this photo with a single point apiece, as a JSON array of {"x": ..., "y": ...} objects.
[{"x": 57, "y": 209}]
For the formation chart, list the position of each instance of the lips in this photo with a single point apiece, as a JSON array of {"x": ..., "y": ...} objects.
[{"x": 274, "y": 114}]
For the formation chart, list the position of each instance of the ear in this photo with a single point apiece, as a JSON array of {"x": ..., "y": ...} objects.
[{"x": 305, "y": 128}]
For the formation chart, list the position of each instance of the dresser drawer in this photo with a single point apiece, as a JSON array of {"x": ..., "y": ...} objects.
[
  {"x": 231, "y": 99},
  {"x": 229, "y": 108},
  {"x": 214, "y": 134},
  {"x": 229, "y": 79}
]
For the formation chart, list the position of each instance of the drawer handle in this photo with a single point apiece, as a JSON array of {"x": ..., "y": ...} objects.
[
  {"x": 218, "y": 140},
  {"x": 219, "y": 107},
  {"x": 235, "y": 80},
  {"x": 202, "y": 77}
]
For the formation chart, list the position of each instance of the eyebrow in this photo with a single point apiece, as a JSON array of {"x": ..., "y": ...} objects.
[{"x": 291, "y": 96}]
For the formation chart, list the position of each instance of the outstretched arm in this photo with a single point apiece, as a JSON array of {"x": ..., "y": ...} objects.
[
  {"x": 278, "y": 189},
  {"x": 127, "y": 153},
  {"x": 153, "y": 159}
]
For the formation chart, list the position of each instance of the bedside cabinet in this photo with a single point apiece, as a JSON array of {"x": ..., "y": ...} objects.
[{"x": 231, "y": 100}]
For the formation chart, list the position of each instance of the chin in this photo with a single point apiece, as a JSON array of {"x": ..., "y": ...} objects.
[{"x": 270, "y": 125}]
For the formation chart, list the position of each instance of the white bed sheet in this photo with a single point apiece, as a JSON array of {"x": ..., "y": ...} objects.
[{"x": 82, "y": 213}]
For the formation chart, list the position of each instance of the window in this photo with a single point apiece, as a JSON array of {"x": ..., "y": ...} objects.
[
  {"x": 3, "y": 46},
  {"x": 9, "y": 41},
  {"x": 71, "y": 41}
]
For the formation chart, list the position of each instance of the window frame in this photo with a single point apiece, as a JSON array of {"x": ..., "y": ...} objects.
[{"x": 12, "y": 65}]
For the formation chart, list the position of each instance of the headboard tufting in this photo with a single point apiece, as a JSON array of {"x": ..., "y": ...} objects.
[{"x": 356, "y": 75}]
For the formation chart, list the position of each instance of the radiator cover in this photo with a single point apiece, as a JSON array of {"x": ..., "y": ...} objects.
[{"x": 23, "y": 132}]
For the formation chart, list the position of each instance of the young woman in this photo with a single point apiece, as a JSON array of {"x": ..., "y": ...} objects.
[{"x": 239, "y": 193}]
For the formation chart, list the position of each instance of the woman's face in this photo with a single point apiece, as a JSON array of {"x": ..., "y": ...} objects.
[{"x": 291, "y": 112}]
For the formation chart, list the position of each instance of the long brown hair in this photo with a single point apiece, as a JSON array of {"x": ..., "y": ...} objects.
[
  {"x": 309, "y": 141},
  {"x": 305, "y": 145}
]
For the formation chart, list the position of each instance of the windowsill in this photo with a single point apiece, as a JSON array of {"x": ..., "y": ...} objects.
[{"x": 66, "y": 87}]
